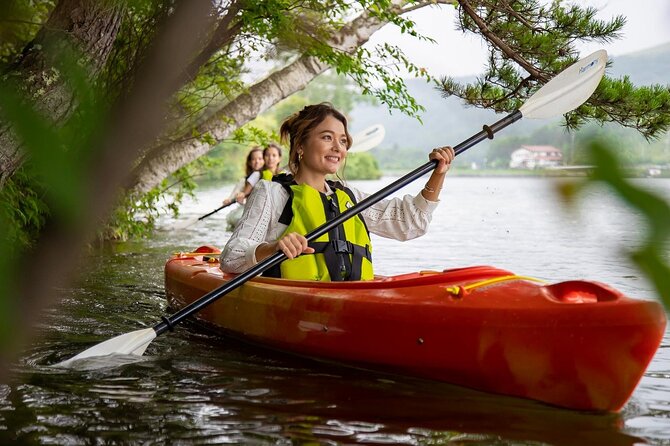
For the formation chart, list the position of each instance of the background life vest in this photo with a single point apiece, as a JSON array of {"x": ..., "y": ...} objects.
[{"x": 344, "y": 253}]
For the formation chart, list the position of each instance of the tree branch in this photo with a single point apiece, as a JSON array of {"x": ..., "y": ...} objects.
[
  {"x": 161, "y": 160},
  {"x": 498, "y": 42}
]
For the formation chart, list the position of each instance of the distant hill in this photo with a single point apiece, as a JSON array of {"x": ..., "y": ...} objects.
[
  {"x": 646, "y": 67},
  {"x": 444, "y": 121},
  {"x": 447, "y": 121}
]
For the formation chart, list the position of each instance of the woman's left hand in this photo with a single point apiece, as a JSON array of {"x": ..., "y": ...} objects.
[{"x": 445, "y": 155}]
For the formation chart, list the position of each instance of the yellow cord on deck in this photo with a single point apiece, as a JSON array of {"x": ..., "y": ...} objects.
[
  {"x": 209, "y": 257},
  {"x": 460, "y": 290}
]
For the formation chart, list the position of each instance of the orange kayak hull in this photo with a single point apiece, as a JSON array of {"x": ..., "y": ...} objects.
[{"x": 577, "y": 344}]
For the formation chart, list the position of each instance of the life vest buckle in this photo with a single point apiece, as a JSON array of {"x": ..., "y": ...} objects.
[{"x": 342, "y": 246}]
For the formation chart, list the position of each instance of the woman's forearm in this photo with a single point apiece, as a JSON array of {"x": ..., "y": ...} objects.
[
  {"x": 431, "y": 191},
  {"x": 265, "y": 250}
]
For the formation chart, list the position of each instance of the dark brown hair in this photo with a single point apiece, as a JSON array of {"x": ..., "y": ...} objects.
[
  {"x": 296, "y": 128},
  {"x": 248, "y": 164}
]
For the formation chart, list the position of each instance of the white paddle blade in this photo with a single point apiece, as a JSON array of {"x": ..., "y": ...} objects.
[
  {"x": 133, "y": 343},
  {"x": 568, "y": 90},
  {"x": 368, "y": 139}
]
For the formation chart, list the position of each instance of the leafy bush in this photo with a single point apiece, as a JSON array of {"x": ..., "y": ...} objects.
[{"x": 361, "y": 166}]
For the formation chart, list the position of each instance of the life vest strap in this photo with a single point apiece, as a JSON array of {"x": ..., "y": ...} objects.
[
  {"x": 342, "y": 247},
  {"x": 334, "y": 248}
]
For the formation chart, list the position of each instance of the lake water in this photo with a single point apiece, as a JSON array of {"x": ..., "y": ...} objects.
[{"x": 196, "y": 388}]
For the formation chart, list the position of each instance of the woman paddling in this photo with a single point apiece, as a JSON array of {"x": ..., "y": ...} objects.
[
  {"x": 279, "y": 213},
  {"x": 253, "y": 167}
]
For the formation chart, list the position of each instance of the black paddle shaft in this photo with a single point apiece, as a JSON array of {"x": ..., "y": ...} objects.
[
  {"x": 216, "y": 210},
  {"x": 278, "y": 257}
]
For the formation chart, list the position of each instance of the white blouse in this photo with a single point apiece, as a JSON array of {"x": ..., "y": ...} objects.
[
  {"x": 253, "y": 178},
  {"x": 397, "y": 218}
]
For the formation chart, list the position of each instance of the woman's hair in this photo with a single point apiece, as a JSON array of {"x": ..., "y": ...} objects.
[
  {"x": 296, "y": 128},
  {"x": 255, "y": 149}
]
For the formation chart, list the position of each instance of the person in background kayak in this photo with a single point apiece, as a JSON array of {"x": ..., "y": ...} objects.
[
  {"x": 272, "y": 158},
  {"x": 279, "y": 212},
  {"x": 253, "y": 167}
]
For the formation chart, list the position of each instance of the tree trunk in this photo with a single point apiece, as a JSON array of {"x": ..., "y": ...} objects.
[
  {"x": 91, "y": 26},
  {"x": 160, "y": 161},
  {"x": 136, "y": 119}
]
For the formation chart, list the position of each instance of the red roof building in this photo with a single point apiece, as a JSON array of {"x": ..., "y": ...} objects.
[{"x": 533, "y": 157}]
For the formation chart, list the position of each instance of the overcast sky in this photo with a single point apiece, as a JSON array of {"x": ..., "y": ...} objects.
[{"x": 458, "y": 55}]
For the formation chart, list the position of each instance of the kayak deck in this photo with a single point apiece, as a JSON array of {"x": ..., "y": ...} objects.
[{"x": 575, "y": 344}]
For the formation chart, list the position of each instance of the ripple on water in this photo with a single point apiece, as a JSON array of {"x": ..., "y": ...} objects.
[
  {"x": 652, "y": 425},
  {"x": 345, "y": 428},
  {"x": 128, "y": 393}
]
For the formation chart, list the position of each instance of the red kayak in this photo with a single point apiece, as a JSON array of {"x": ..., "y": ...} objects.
[{"x": 576, "y": 344}]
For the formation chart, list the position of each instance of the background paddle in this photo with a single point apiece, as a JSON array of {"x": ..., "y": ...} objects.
[
  {"x": 185, "y": 224},
  {"x": 565, "y": 92},
  {"x": 367, "y": 139}
]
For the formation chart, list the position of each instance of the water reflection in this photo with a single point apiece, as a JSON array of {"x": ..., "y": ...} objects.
[
  {"x": 369, "y": 406},
  {"x": 218, "y": 390}
]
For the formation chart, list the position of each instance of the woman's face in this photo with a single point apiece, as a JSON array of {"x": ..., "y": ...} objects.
[
  {"x": 272, "y": 158},
  {"x": 256, "y": 162},
  {"x": 325, "y": 149}
]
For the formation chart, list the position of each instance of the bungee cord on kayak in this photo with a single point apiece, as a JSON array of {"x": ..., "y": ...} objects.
[{"x": 460, "y": 290}]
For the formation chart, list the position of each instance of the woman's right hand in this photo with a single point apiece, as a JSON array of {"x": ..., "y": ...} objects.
[{"x": 293, "y": 244}]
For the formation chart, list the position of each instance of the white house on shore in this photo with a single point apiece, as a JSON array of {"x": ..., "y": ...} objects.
[{"x": 533, "y": 157}]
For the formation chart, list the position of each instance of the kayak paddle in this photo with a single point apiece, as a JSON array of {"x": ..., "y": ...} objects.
[
  {"x": 565, "y": 92},
  {"x": 193, "y": 221},
  {"x": 367, "y": 139}
]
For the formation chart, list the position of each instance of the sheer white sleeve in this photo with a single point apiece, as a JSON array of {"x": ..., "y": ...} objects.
[
  {"x": 253, "y": 178},
  {"x": 259, "y": 224},
  {"x": 398, "y": 218}
]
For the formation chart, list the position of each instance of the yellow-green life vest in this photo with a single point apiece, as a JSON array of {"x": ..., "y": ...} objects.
[
  {"x": 344, "y": 253},
  {"x": 267, "y": 174}
]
